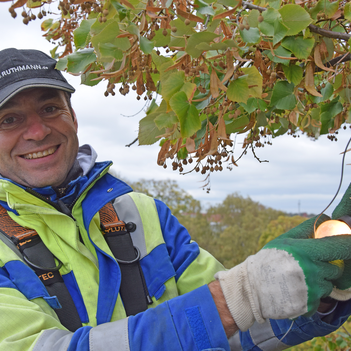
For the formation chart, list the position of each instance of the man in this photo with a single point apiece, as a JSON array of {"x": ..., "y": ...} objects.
[{"x": 162, "y": 296}]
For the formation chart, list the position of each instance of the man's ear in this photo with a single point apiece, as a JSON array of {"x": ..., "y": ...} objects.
[{"x": 75, "y": 121}]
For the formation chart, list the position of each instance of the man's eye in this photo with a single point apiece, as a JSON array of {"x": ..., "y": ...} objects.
[
  {"x": 50, "y": 109},
  {"x": 9, "y": 120}
]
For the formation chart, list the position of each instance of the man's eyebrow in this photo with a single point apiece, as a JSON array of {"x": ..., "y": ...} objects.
[{"x": 45, "y": 95}]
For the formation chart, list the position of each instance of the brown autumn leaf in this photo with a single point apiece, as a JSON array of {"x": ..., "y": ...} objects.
[
  {"x": 150, "y": 85},
  {"x": 238, "y": 57},
  {"x": 213, "y": 142},
  {"x": 309, "y": 80},
  {"x": 182, "y": 5},
  {"x": 154, "y": 9},
  {"x": 127, "y": 3},
  {"x": 233, "y": 162},
  {"x": 214, "y": 84},
  {"x": 222, "y": 134},
  {"x": 293, "y": 117},
  {"x": 226, "y": 30},
  {"x": 318, "y": 60},
  {"x": 143, "y": 22},
  {"x": 18, "y": 3},
  {"x": 189, "y": 16},
  {"x": 140, "y": 84},
  {"x": 162, "y": 155},
  {"x": 190, "y": 145},
  {"x": 228, "y": 13},
  {"x": 323, "y": 50}
]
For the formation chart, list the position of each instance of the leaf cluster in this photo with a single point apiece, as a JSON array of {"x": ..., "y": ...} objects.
[{"x": 218, "y": 68}]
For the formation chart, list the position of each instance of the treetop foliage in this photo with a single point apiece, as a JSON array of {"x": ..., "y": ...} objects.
[{"x": 210, "y": 69}]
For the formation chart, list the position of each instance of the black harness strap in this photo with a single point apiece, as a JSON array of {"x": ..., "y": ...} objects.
[
  {"x": 42, "y": 261},
  {"x": 133, "y": 290}
]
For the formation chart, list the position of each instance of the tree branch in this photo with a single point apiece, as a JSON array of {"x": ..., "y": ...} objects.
[
  {"x": 313, "y": 28},
  {"x": 329, "y": 33},
  {"x": 133, "y": 142}
]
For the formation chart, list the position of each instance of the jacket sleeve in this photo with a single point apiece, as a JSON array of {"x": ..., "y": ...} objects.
[
  {"x": 194, "y": 266},
  {"x": 187, "y": 322},
  {"x": 282, "y": 334}
]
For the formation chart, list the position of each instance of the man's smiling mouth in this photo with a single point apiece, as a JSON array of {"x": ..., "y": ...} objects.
[{"x": 40, "y": 154}]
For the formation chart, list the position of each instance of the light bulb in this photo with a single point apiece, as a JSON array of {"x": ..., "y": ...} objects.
[{"x": 332, "y": 227}]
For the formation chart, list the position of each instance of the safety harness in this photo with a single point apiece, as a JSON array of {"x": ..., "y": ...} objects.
[{"x": 36, "y": 255}]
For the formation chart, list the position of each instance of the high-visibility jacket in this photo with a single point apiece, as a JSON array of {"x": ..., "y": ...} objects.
[{"x": 183, "y": 315}]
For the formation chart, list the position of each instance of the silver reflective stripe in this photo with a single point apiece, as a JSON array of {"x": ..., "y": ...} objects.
[
  {"x": 128, "y": 212},
  {"x": 234, "y": 342},
  {"x": 110, "y": 336},
  {"x": 53, "y": 340},
  {"x": 263, "y": 336}
]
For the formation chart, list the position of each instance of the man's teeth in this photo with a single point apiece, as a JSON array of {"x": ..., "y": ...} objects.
[{"x": 40, "y": 154}]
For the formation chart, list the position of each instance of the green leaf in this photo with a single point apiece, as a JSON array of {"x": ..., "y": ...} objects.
[
  {"x": 250, "y": 106},
  {"x": 261, "y": 119},
  {"x": 230, "y": 3},
  {"x": 146, "y": 45},
  {"x": 160, "y": 40},
  {"x": 61, "y": 64},
  {"x": 254, "y": 81},
  {"x": 196, "y": 39},
  {"x": 347, "y": 11},
  {"x": 203, "y": 47},
  {"x": 188, "y": 89},
  {"x": 82, "y": 33},
  {"x": 46, "y": 25},
  {"x": 148, "y": 130},
  {"x": 172, "y": 85},
  {"x": 238, "y": 90},
  {"x": 252, "y": 18},
  {"x": 237, "y": 124},
  {"x": 110, "y": 50},
  {"x": 108, "y": 36},
  {"x": 283, "y": 97},
  {"x": 328, "y": 112},
  {"x": 251, "y": 36},
  {"x": 326, "y": 7},
  {"x": 188, "y": 114},
  {"x": 133, "y": 29},
  {"x": 295, "y": 18},
  {"x": 204, "y": 8},
  {"x": 166, "y": 120},
  {"x": 87, "y": 78},
  {"x": 272, "y": 25},
  {"x": 122, "y": 11},
  {"x": 79, "y": 61},
  {"x": 182, "y": 153},
  {"x": 279, "y": 51},
  {"x": 274, "y": 3},
  {"x": 293, "y": 73},
  {"x": 299, "y": 46},
  {"x": 326, "y": 92}
]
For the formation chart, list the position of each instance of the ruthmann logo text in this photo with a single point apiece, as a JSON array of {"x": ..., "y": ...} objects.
[{"x": 21, "y": 68}]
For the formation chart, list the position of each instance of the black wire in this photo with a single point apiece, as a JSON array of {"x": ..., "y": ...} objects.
[{"x": 339, "y": 187}]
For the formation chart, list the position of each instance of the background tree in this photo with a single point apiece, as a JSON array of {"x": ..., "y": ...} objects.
[
  {"x": 261, "y": 67},
  {"x": 277, "y": 227},
  {"x": 237, "y": 224}
]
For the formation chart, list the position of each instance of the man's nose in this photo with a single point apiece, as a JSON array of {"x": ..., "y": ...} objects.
[{"x": 36, "y": 128}]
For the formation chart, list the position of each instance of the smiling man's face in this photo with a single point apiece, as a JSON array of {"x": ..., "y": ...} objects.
[{"x": 38, "y": 138}]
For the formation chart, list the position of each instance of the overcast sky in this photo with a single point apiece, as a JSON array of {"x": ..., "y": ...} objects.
[{"x": 301, "y": 175}]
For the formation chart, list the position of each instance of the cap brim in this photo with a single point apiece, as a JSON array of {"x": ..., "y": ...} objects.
[{"x": 11, "y": 90}]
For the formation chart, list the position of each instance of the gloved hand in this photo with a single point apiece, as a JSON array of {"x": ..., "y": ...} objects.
[
  {"x": 342, "y": 289},
  {"x": 287, "y": 278}
]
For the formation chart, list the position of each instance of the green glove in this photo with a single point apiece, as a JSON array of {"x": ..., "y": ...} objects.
[
  {"x": 342, "y": 289},
  {"x": 287, "y": 278}
]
